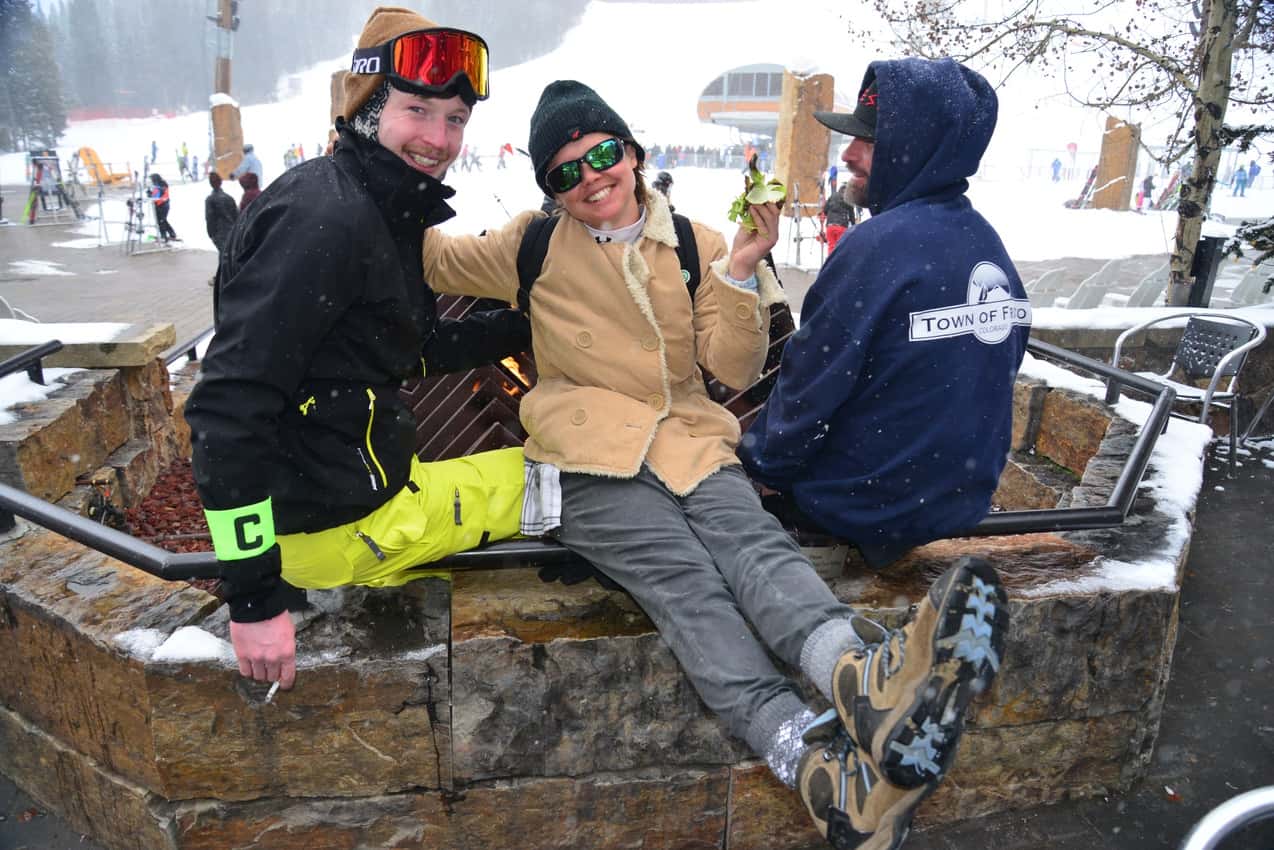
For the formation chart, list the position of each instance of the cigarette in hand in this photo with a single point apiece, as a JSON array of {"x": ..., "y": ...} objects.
[{"x": 274, "y": 689}]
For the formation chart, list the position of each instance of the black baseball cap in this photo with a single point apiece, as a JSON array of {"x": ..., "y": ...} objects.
[{"x": 861, "y": 122}]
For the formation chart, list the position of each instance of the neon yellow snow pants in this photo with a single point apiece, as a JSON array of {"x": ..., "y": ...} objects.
[{"x": 447, "y": 507}]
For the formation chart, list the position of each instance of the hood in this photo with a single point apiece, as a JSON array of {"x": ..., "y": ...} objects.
[
  {"x": 935, "y": 119},
  {"x": 248, "y": 180}
]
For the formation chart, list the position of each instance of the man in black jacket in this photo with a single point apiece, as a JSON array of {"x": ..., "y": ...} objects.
[
  {"x": 297, "y": 427},
  {"x": 219, "y": 212}
]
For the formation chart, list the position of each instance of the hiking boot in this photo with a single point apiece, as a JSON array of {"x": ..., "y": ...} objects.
[
  {"x": 852, "y": 807},
  {"x": 903, "y": 696}
]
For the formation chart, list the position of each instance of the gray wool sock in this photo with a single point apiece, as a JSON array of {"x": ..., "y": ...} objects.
[
  {"x": 775, "y": 735},
  {"x": 823, "y": 648}
]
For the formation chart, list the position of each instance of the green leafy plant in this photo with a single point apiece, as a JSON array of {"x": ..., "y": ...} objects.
[{"x": 757, "y": 190}]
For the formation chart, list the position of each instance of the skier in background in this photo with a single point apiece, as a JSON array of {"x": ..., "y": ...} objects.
[
  {"x": 1240, "y": 183},
  {"x": 158, "y": 193},
  {"x": 250, "y": 163},
  {"x": 1147, "y": 194},
  {"x": 838, "y": 216}
]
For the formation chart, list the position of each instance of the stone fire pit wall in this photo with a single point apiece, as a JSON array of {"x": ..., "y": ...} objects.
[{"x": 496, "y": 711}]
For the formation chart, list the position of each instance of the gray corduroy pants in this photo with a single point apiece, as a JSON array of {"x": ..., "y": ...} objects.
[{"x": 702, "y": 567}]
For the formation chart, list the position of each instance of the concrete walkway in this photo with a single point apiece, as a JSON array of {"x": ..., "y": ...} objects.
[
  {"x": 1217, "y": 738},
  {"x": 103, "y": 284}
]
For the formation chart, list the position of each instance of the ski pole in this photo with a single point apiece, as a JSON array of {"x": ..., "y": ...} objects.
[{"x": 502, "y": 206}]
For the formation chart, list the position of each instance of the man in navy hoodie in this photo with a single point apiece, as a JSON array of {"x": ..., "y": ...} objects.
[{"x": 890, "y": 421}]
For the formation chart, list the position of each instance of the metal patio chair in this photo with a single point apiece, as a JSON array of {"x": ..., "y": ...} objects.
[{"x": 1213, "y": 346}]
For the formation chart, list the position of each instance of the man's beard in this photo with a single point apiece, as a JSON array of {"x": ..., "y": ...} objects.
[{"x": 857, "y": 190}]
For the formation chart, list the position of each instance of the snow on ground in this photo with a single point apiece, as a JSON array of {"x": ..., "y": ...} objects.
[
  {"x": 38, "y": 268},
  {"x": 1173, "y": 479}
]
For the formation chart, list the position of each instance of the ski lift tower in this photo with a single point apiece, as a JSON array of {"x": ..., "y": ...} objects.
[{"x": 227, "y": 131}]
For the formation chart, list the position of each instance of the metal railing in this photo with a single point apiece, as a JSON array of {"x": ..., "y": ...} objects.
[
  {"x": 189, "y": 348},
  {"x": 173, "y": 566},
  {"x": 1116, "y": 509},
  {"x": 32, "y": 360},
  {"x": 1230, "y": 817}
]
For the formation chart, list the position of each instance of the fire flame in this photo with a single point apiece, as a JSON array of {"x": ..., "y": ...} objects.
[{"x": 511, "y": 363}]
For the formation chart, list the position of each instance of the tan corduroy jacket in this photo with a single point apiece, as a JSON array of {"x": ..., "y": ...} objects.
[{"x": 616, "y": 344}]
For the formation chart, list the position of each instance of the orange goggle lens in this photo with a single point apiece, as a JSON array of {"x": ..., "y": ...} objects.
[{"x": 433, "y": 58}]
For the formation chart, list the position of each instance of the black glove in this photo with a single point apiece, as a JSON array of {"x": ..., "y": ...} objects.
[
  {"x": 479, "y": 339},
  {"x": 574, "y": 571}
]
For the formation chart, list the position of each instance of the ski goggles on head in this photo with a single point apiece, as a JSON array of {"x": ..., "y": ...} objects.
[
  {"x": 428, "y": 61},
  {"x": 601, "y": 156}
]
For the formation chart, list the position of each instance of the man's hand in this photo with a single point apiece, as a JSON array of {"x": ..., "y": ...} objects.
[
  {"x": 750, "y": 246},
  {"x": 266, "y": 650}
]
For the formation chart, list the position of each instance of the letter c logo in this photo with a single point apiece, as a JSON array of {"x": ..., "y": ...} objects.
[{"x": 241, "y": 539}]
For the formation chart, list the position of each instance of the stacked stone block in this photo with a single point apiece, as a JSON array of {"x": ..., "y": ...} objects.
[{"x": 495, "y": 710}]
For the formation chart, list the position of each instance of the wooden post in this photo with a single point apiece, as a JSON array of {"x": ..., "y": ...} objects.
[
  {"x": 1117, "y": 168},
  {"x": 801, "y": 141},
  {"x": 227, "y": 131}
]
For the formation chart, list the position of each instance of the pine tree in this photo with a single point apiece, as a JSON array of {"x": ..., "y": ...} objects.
[
  {"x": 32, "y": 112},
  {"x": 90, "y": 67}
]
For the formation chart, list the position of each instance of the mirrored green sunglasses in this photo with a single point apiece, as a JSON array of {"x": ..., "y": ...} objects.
[{"x": 601, "y": 156}]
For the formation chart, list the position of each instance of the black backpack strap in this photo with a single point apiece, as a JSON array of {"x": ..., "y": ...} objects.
[
  {"x": 687, "y": 253},
  {"x": 531, "y": 254}
]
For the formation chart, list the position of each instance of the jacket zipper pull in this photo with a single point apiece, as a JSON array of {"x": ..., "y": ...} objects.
[
  {"x": 371, "y": 544},
  {"x": 457, "y": 503}
]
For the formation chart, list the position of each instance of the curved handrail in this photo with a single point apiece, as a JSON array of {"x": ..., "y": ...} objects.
[
  {"x": 30, "y": 360},
  {"x": 1116, "y": 509},
  {"x": 1230, "y": 817},
  {"x": 182, "y": 566},
  {"x": 188, "y": 349}
]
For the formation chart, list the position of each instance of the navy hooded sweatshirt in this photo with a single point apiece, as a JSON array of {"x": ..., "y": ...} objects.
[{"x": 890, "y": 421}]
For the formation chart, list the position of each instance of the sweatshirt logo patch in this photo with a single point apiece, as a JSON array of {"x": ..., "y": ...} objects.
[{"x": 990, "y": 311}]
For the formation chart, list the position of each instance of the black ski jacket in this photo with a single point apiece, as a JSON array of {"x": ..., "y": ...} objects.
[
  {"x": 839, "y": 211},
  {"x": 219, "y": 212},
  {"x": 322, "y": 313}
]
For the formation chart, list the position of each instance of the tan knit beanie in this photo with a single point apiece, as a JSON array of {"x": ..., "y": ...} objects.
[{"x": 385, "y": 23}]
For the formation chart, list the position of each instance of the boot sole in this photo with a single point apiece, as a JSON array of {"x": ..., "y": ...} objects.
[
  {"x": 896, "y": 823},
  {"x": 922, "y": 743}
]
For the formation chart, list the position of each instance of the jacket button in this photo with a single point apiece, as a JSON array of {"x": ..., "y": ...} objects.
[
  {"x": 743, "y": 311},
  {"x": 650, "y": 343},
  {"x": 584, "y": 339},
  {"x": 579, "y": 417},
  {"x": 655, "y": 400}
]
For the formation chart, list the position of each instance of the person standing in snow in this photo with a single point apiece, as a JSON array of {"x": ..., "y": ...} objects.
[
  {"x": 251, "y": 164},
  {"x": 838, "y": 216},
  {"x": 1147, "y": 196},
  {"x": 219, "y": 212},
  {"x": 158, "y": 194},
  {"x": 1240, "y": 183},
  {"x": 653, "y": 496},
  {"x": 251, "y": 189},
  {"x": 303, "y": 451}
]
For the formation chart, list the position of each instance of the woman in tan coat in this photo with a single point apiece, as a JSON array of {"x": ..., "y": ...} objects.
[{"x": 652, "y": 493}]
